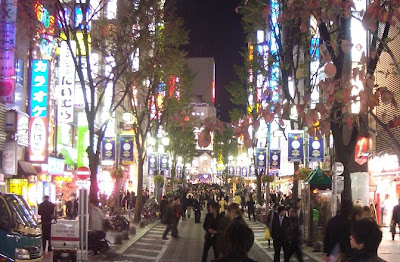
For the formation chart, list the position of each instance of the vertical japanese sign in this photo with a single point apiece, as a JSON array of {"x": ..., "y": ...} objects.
[
  {"x": 126, "y": 149},
  {"x": 38, "y": 111},
  {"x": 164, "y": 161},
  {"x": 261, "y": 157},
  {"x": 108, "y": 149},
  {"x": 40, "y": 73},
  {"x": 275, "y": 159},
  {"x": 66, "y": 84},
  {"x": 81, "y": 145},
  {"x": 8, "y": 16},
  {"x": 315, "y": 149},
  {"x": 152, "y": 160},
  {"x": 295, "y": 146}
]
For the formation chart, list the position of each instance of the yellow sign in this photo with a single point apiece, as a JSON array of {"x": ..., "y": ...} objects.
[{"x": 18, "y": 186}]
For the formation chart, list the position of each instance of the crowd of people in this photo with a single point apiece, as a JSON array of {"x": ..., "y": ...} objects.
[{"x": 352, "y": 235}]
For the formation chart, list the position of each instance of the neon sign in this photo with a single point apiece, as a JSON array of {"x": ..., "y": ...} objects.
[{"x": 45, "y": 18}]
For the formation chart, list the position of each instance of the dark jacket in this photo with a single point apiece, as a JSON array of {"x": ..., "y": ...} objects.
[
  {"x": 280, "y": 233},
  {"x": 196, "y": 205},
  {"x": 170, "y": 217},
  {"x": 164, "y": 206},
  {"x": 46, "y": 211},
  {"x": 363, "y": 256},
  {"x": 396, "y": 214},
  {"x": 71, "y": 212},
  {"x": 294, "y": 232},
  {"x": 211, "y": 223},
  {"x": 250, "y": 204},
  {"x": 338, "y": 232}
]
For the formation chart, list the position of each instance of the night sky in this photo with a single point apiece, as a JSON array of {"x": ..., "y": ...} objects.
[{"x": 215, "y": 31}]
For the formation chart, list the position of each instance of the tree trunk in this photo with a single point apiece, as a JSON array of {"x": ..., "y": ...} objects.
[
  {"x": 138, "y": 208},
  {"x": 259, "y": 195},
  {"x": 295, "y": 189},
  {"x": 173, "y": 173},
  {"x": 94, "y": 187}
]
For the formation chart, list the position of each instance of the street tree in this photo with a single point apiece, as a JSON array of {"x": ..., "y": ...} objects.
[
  {"x": 182, "y": 144},
  {"x": 82, "y": 27},
  {"x": 160, "y": 78},
  {"x": 332, "y": 113}
]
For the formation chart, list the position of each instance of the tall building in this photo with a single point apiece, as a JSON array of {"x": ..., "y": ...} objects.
[{"x": 202, "y": 106}]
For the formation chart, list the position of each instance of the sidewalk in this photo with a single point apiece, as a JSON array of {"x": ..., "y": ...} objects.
[
  {"x": 115, "y": 250},
  {"x": 389, "y": 250}
]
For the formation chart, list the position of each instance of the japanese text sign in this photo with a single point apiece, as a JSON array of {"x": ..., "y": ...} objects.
[
  {"x": 40, "y": 73},
  {"x": 7, "y": 36},
  {"x": 66, "y": 84},
  {"x": 7, "y": 87},
  {"x": 8, "y": 10},
  {"x": 7, "y": 63},
  {"x": 38, "y": 140}
]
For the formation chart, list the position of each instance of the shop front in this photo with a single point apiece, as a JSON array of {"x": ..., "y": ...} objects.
[
  {"x": 317, "y": 200},
  {"x": 384, "y": 186}
]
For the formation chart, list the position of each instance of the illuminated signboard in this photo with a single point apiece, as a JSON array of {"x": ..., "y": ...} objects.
[
  {"x": 38, "y": 140},
  {"x": 79, "y": 23},
  {"x": 40, "y": 74},
  {"x": 66, "y": 84},
  {"x": 38, "y": 111},
  {"x": 46, "y": 32}
]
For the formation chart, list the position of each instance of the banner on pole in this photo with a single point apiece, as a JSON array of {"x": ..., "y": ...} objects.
[
  {"x": 275, "y": 159},
  {"x": 315, "y": 149},
  {"x": 295, "y": 144},
  {"x": 261, "y": 157}
]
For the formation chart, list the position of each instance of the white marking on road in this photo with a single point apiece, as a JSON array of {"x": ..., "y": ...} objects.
[
  {"x": 148, "y": 244},
  {"x": 141, "y": 256}
]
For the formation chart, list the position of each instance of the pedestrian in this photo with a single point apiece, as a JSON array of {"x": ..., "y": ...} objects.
[
  {"x": 126, "y": 200},
  {"x": 239, "y": 240},
  {"x": 172, "y": 218},
  {"x": 364, "y": 240},
  {"x": 210, "y": 225},
  {"x": 163, "y": 208},
  {"x": 71, "y": 209},
  {"x": 337, "y": 242},
  {"x": 183, "y": 206},
  {"x": 197, "y": 209},
  {"x": 295, "y": 235},
  {"x": 223, "y": 205},
  {"x": 272, "y": 214},
  {"x": 46, "y": 211},
  {"x": 250, "y": 208},
  {"x": 189, "y": 205},
  {"x": 234, "y": 213},
  {"x": 242, "y": 202},
  {"x": 280, "y": 235},
  {"x": 395, "y": 219},
  {"x": 96, "y": 225},
  {"x": 132, "y": 200}
]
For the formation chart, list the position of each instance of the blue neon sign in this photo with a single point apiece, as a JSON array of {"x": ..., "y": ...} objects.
[{"x": 39, "y": 89}]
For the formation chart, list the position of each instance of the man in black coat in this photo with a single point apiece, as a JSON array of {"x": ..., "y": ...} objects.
[
  {"x": 171, "y": 220},
  {"x": 337, "y": 233},
  {"x": 197, "y": 209},
  {"x": 46, "y": 211},
  {"x": 163, "y": 208},
  {"x": 280, "y": 235},
  {"x": 210, "y": 225},
  {"x": 395, "y": 218},
  {"x": 71, "y": 208}
]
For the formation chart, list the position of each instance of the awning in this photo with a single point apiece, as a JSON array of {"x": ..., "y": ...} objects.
[
  {"x": 26, "y": 168},
  {"x": 318, "y": 179}
]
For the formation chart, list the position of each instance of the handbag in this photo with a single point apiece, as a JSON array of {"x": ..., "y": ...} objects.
[
  {"x": 267, "y": 234},
  {"x": 393, "y": 228}
]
